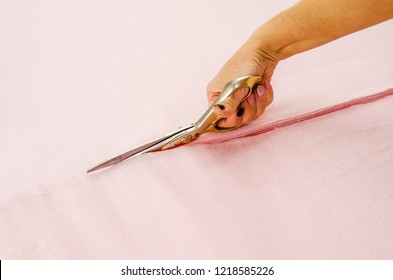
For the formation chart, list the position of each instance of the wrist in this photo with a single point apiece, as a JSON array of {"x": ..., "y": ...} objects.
[
  {"x": 262, "y": 52},
  {"x": 272, "y": 44}
]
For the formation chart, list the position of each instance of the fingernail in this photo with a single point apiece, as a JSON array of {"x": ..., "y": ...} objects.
[
  {"x": 240, "y": 112},
  {"x": 261, "y": 90},
  {"x": 222, "y": 107},
  {"x": 268, "y": 85},
  {"x": 251, "y": 99}
]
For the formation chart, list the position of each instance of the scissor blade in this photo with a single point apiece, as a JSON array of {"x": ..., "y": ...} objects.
[
  {"x": 155, "y": 145},
  {"x": 134, "y": 152}
]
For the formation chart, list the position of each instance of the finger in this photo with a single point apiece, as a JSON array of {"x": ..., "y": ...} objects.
[
  {"x": 229, "y": 106},
  {"x": 244, "y": 114},
  {"x": 264, "y": 97},
  {"x": 250, "y": 109},
  {"x": 211, "y": 97}
]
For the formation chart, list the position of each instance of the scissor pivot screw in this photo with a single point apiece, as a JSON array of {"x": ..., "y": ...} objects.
[
  {"x": 197, "y": 135},
  {"x": 186, "y": 139}
]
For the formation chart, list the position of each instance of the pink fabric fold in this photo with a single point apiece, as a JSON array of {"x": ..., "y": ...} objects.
[{"x": 253, "y": 130}]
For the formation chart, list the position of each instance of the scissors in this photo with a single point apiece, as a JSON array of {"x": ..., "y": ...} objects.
[{"x": 184, "y": 135}]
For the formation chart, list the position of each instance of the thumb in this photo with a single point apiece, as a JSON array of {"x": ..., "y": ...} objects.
[{"x": 229, "y": 106}]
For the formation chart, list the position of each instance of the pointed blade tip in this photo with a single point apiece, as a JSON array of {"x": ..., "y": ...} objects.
[
  {"x": 98, "y": 167},
  {"x": 90, "y": 170}
]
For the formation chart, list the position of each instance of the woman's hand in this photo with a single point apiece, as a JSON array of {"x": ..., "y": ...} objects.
[
  {"x": 306, "y": 25},
  {"x": 246, "y": 61}
]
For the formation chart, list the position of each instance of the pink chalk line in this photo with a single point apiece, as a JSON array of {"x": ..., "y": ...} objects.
[{"x": 296, "y": 119}]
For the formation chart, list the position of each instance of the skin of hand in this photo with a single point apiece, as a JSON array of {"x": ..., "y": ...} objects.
[
  {"x": 306, "y": 25},
  {"x": 246, "y": 61}
]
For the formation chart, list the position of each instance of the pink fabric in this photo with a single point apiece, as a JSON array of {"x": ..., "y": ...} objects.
[
  {"x": 255, "y": 129},
  {"x": 85, "y": 80}
]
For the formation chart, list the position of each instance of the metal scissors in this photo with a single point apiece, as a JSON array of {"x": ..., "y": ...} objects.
[{"x": 206, "y": 123}]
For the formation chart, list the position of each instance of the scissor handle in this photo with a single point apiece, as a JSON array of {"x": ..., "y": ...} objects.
[{"x": 208, "y": 121}]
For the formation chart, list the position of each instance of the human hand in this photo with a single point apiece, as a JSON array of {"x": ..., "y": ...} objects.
[{"x": 246, "y": 61}]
